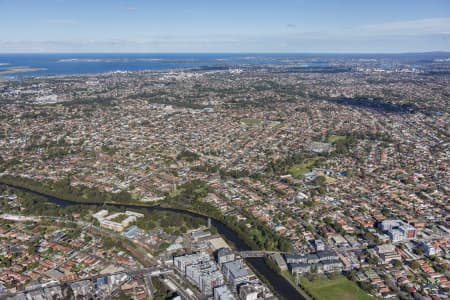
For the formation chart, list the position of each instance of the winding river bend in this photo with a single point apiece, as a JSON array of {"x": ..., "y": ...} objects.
[{"x": 279, "y": 284}]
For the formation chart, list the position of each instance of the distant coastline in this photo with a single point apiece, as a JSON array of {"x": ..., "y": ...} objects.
[
  {"x": 56, "y": 64},
  {"x": 17, "y": 70}
]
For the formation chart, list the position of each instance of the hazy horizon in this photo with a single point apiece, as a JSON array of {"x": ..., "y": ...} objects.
[
  {"x": 200, "y": 26},
  {"x": 233, "y": 53}
]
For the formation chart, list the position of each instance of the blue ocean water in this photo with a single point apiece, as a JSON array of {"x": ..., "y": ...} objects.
[{"x": 65, "y": 64}]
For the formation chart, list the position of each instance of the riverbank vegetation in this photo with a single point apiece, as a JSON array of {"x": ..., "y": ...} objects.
[
  {"x": 171, "y": 222},
  {"x": 189, "y": 196},
  {"x": 64, "y": 190},
  {"x": 38, "y": 205},
  {"x": 253, "y": 232},
  {"x": 290, "y": 278}
]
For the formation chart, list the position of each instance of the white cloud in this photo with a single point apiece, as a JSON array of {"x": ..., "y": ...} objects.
[
  {"x": 301, "y": 42},
  {"x": 429, "y": 25}
]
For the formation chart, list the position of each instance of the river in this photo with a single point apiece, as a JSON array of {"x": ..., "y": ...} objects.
[{"x": 280, "y": 285}]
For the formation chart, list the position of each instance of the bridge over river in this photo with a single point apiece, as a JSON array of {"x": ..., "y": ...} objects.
[{"x": 257, "y": 254}]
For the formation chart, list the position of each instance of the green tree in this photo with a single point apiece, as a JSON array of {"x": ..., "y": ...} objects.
[
  {"x": 32, "y": 249},
  {"x": 373, "y": 260},
  {"x": 415, "y": 265},
  {"x": 397, "y": 263}
]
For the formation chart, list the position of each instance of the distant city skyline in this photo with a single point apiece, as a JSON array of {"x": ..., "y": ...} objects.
[{"x": 177, "y": 26}]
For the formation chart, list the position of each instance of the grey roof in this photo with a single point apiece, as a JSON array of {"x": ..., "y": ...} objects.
[
  {"x": 312, "y": 257},
  {"x": 322, "y": 254},
  {"x": 224, "y": 251},
  {"x": 200, "y": 233},
  {"x": 235, "y": 268},
  {"x": 293, "y": 256},
  {"x": 332, "y": 261},
  {"x": 300, "y": 265}
]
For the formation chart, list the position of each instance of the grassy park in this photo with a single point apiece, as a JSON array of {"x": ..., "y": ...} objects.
[
  {"x": 334, "y": 138},
  {"x": 304, "y": 166},
  {"x": 251, "y": 121},
  {"x": 338, "y": 288}
]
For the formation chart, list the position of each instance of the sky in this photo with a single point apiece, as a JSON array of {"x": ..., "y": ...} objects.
[{"x": 155, "y": 26}]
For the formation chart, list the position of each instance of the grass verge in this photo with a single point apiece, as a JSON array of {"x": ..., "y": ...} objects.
[{"x": 338, "y": 288}]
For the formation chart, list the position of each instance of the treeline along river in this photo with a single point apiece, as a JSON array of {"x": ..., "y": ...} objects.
[{"x": 278, "y": 283}]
